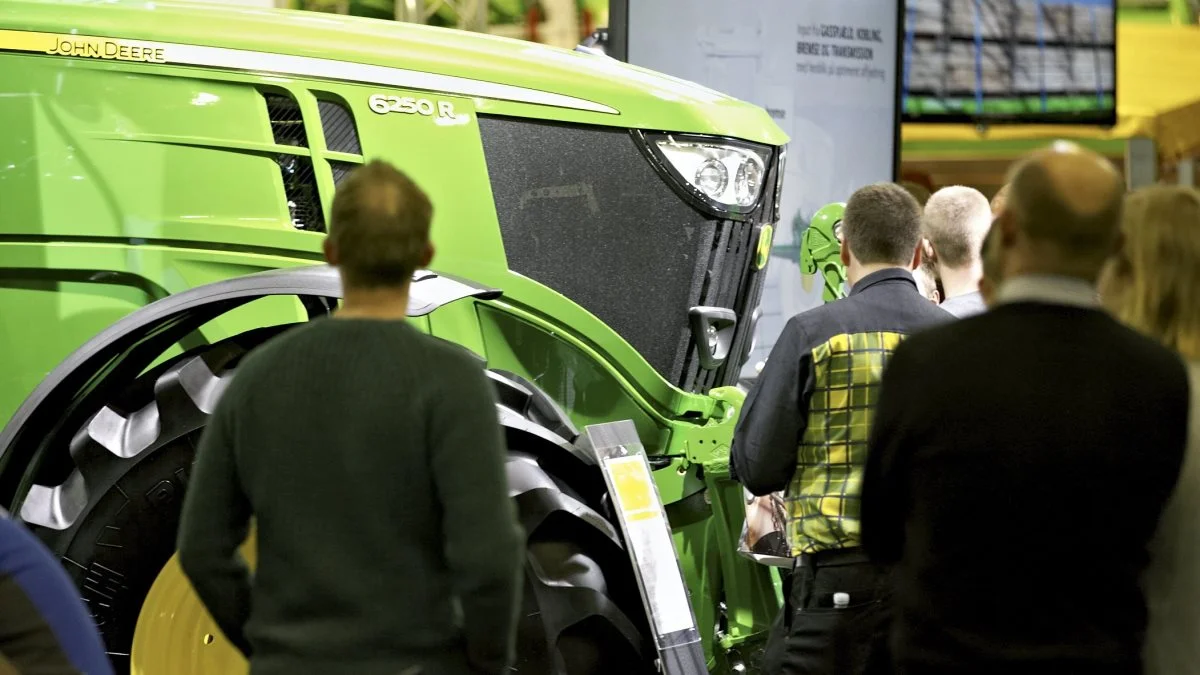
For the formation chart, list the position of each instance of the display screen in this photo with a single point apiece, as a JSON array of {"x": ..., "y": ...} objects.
[{"x": 1009, "y": 61}]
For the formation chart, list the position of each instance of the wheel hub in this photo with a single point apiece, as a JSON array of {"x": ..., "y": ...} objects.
[{"x": 175, "y": 634}]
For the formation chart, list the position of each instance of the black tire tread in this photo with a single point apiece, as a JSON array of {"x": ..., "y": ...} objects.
[{"x": 577, "y": 570}]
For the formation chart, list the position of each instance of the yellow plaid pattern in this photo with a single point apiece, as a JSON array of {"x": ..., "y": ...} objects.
[{"x": 823, "y": 499}]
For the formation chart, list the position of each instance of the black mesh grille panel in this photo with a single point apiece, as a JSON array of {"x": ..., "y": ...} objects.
[
  {"x": 341, "y": 170},
  {"x": 338, "y": 125},
  {"x": 300, "y": 186},
  {"x": 729, "y": 284},
  {"x": 582, "y": 211},
  {"x": 287, "y": 123}
]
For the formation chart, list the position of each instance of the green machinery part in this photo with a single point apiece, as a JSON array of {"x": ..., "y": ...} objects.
[
  {"x": 150, "y": 149},
  {"x": 436, "y": 13},
  {"x": 820, "y": 250}
]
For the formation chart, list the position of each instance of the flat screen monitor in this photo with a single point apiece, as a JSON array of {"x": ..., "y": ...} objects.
[{"x": 1009, "y": 61}]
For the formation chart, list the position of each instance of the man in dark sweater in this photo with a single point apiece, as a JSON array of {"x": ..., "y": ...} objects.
[
  {"x": 804, "y": 429},
  {"x": 1020, "y": 458},
  {"x": 370, "y": 458}
]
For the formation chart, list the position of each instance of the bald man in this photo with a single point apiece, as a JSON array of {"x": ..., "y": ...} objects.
[
  {"x": 955, "y": 222},
  {"x": 1020, "y": 458}
]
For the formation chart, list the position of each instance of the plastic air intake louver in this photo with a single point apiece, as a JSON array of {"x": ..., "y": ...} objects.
[
  {"x": 299, "y": 181},
  {"x": 287, "y": 122},
  {"x": 338, "y": 124},
  {"x": 341, "y": 170}
]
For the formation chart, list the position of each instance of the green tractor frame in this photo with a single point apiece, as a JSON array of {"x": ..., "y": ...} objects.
[
  {"x": 166, "y": 173},
  {"x": 165, "y": 181}
]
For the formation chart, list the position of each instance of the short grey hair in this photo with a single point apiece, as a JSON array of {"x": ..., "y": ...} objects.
[{"x": 956, "y": 220}]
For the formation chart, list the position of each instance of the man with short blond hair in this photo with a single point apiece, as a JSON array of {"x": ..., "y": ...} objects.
[
  {"x": 371, "y": 458},
  {"x": 956, "y": 220}
]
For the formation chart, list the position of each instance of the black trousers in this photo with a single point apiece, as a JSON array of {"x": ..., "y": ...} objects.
[{"x": 813, "y": 637}]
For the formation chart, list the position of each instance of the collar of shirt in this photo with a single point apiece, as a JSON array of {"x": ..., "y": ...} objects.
[
  {"x": 1048, "y": 289},
  {"x": 881, "y": 276}
]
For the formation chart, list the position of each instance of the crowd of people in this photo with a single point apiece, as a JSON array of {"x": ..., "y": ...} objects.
[
  {"x": 1004, "y": 480},
  {"x": 987, "y": 452}
]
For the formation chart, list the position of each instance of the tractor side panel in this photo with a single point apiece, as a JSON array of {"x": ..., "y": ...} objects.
[{"x": 120, "y": 185}]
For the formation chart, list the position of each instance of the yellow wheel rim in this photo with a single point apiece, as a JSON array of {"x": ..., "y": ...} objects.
[{"x": 175, "y": 634}]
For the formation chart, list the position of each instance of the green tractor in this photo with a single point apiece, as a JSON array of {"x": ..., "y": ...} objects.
[{"x": 166, "y": 174}]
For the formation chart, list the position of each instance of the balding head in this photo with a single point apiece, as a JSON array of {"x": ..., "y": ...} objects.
[
  {"x": 379, "y": 230},
  {"x": 956, "y": 220},
  {"x": 1065, "y": 202}
]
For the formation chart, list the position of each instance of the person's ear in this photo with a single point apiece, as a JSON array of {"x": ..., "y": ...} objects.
[
  {"x": 918, "y": 255},
  {"x": 928, "y": 250},
  {"x": 845, "y": 254},
  {"x": 427, "y": 255},
  {"x": 331, "y": 252}
]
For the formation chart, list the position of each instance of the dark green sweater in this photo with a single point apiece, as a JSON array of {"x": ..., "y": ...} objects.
[{"x": 370, "y": 458}]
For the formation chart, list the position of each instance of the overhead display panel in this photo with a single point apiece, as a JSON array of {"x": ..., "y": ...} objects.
[
  {"x": 826, "y": 71},
  {"x": 1013, "y": 61}
]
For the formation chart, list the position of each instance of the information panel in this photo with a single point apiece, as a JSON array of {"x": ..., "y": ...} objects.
[{"x": 826, "y": 70}]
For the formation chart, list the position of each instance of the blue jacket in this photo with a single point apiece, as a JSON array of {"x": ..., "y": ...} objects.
[{"x": 44, "y": 625}]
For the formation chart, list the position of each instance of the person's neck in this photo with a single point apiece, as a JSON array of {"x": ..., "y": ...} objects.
[
  {"x": 384, "y": 304},
  {"x": 1025, "y": 267},
  {"x": 961, "y": 281},
  {"x": 856, "y": 272}
]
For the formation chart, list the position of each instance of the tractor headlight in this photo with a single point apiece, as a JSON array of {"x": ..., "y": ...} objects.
[{"x": 726, "y": 176}]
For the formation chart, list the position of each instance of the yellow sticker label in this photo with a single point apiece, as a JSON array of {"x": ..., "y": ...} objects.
[
  {"x": 83, "y": 46},
  {"x": 635, "y": 494},
  {"x": 763, "y": 254}
]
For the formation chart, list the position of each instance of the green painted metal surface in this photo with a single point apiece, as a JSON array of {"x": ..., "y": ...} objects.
[
  {"x": 123, "y": 181},
  {"x": 821, "y": 250},
  {"x": 645, "y": 99}
]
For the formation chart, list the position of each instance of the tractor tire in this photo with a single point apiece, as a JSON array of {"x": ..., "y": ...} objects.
[{"x": 582, "y": 611}]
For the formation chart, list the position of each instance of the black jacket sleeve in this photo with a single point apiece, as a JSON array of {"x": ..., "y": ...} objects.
[
  {"x": 215, "y": 523},
  {"x": 885, "y": 501},
  {"x": 484, "y": 543},
  {"x": 763, "y": 456}
]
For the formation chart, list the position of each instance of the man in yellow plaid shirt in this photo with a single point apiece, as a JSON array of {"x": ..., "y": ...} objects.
[{"x": 804, "y": 429}]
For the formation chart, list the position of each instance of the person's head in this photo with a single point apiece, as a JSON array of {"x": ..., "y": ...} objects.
[
  {"x": 1061, "y": 216},
  {"x": 956, "y": 220},
  {"x": 927, "y": 282},
  {"x": 1153, "y": 282},
  {"x": 990, "y": 280},
  {"x": 918, "y": 191},
  {"x": 881, "y": 228},
  {"x": 998, "y": 199},
  {"x": 379, "y": 230}
]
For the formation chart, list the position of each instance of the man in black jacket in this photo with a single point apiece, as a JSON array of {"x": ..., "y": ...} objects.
[
  {"x": 371, "y": 458},
  {"x": 1020, "y": 458},
  {"x": 804, "y": 429}
]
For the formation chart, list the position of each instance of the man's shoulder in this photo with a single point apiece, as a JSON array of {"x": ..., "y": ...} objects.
[
  {"x": 444, "y": 353},
  {"x": 853, "y": 314},
  {"x": 965, "y": 305},
  {"x": 410, "y": 343}
]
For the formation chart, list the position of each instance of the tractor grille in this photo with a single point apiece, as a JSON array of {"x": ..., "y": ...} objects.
[{"x": 582, "y": 211}]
